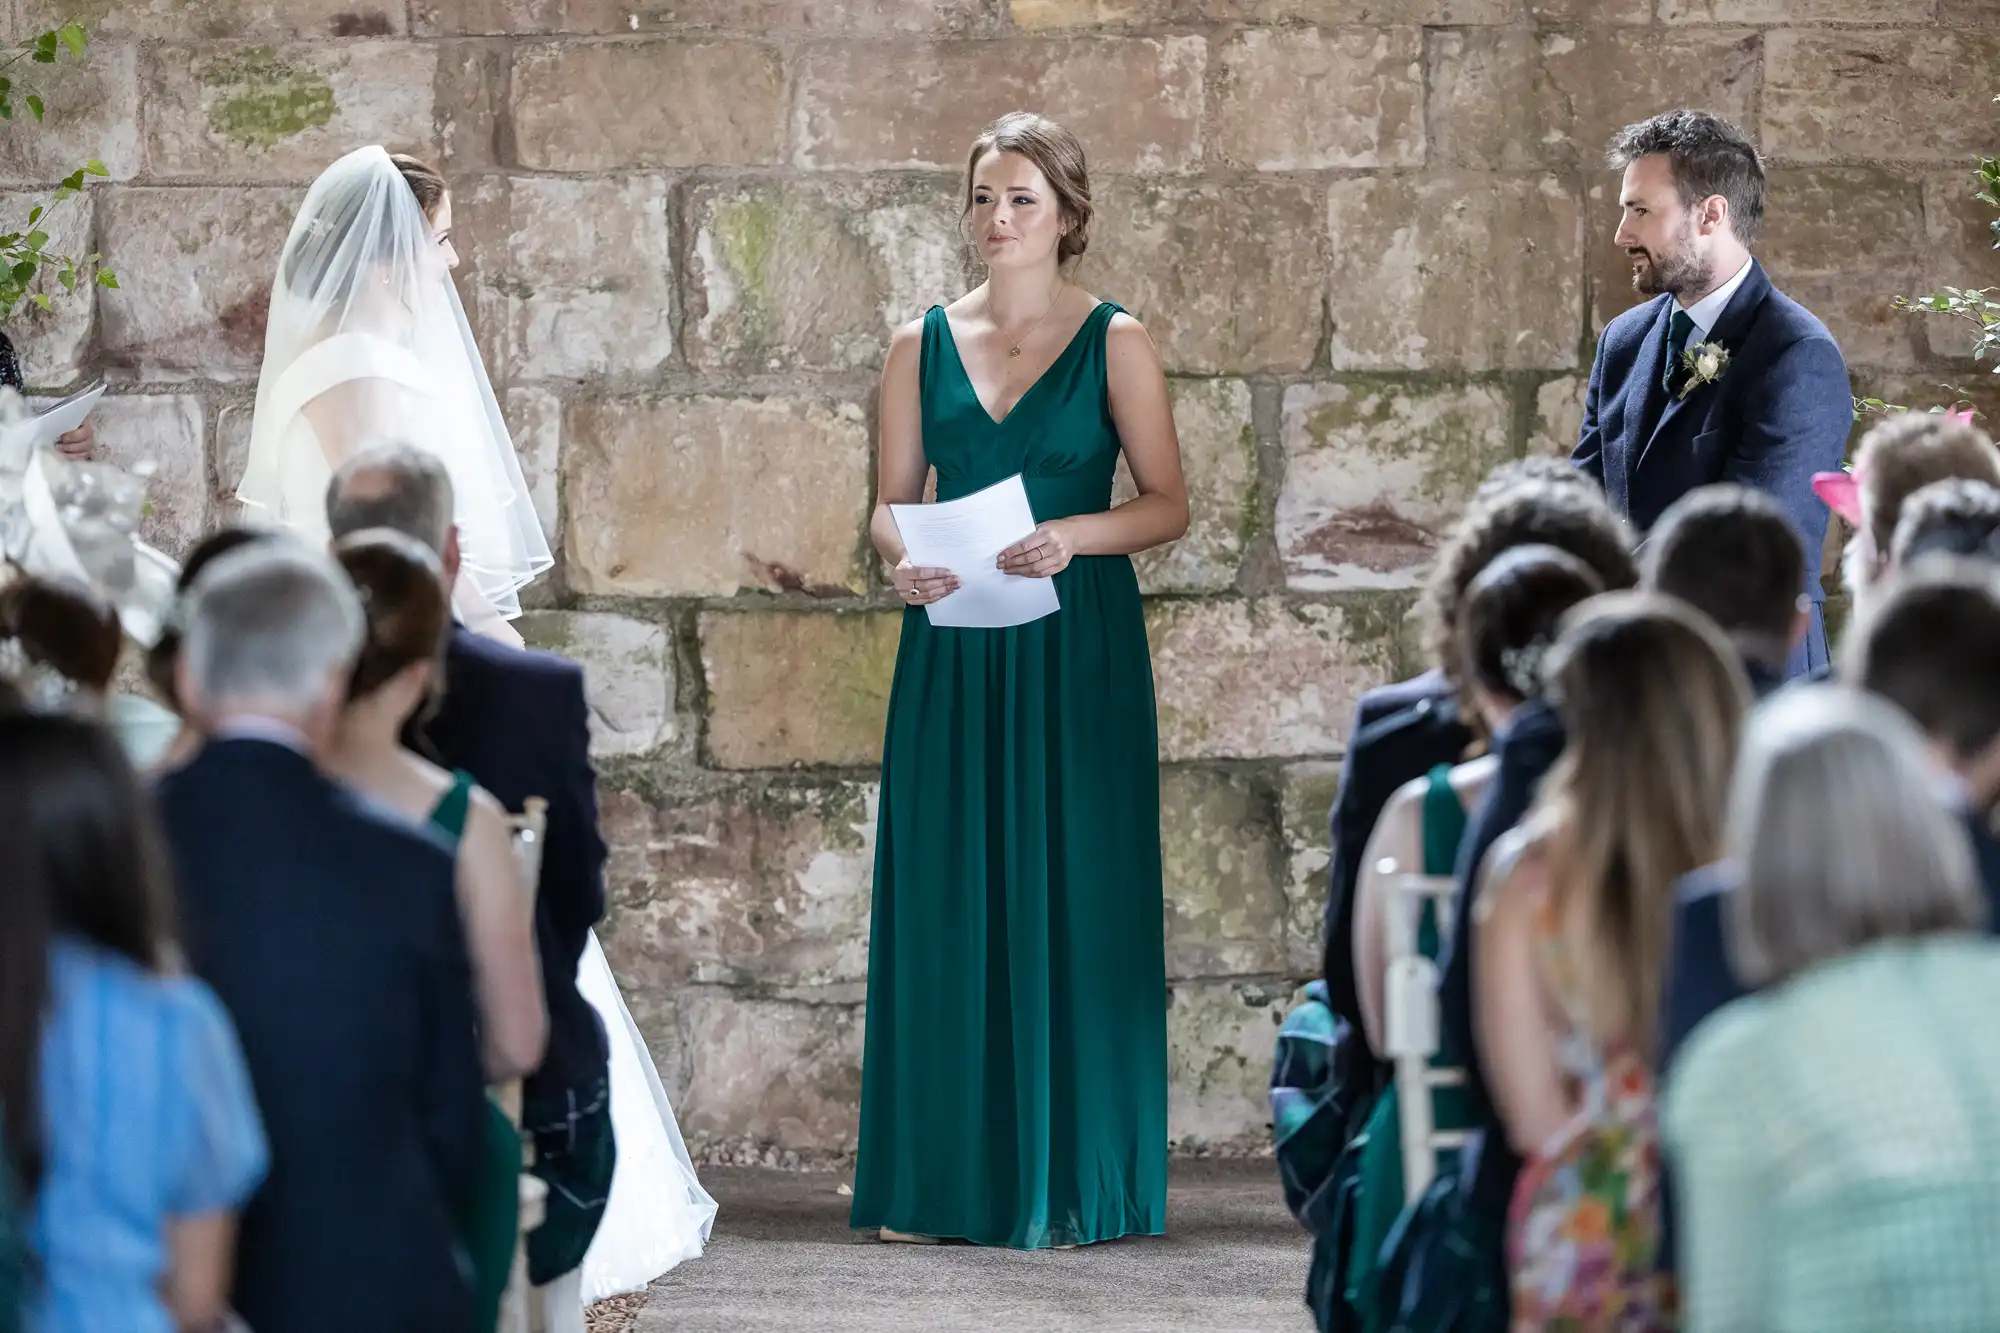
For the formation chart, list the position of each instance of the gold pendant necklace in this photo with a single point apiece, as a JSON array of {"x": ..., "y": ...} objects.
[{"x": 1015, "y": 350}]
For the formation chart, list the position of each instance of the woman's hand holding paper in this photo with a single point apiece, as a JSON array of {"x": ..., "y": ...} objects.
[{"x": 1043, "y": 553}]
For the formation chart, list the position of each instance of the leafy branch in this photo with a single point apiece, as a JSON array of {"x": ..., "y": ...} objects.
[{"x": 24, "y": 253}]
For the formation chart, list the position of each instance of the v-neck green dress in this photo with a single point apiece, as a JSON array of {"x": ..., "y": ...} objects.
[{"x": 1014, "y": 1087}]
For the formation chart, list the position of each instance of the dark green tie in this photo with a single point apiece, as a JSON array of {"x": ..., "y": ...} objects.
[{"x": 1677, "y": 341}]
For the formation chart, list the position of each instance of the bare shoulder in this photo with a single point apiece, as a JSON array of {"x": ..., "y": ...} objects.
[
  {"x": 907, "y": 335},
  {"x": 486, "y": 805},
  {"x": 1124, "y": 330},
  {"x": 1514, "y": 876}
]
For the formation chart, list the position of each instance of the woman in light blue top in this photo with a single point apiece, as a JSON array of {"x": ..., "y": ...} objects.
[
  {"x": 1836, "y": 1136},
  {"x": 130, "y": 1129}
]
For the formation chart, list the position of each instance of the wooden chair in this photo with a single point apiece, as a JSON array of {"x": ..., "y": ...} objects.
[
  {"x": 1410, "y": 1023},
  {"x": 517, "y": 1305}
]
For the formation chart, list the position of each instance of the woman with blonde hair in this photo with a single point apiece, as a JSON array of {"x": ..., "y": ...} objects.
[
  {"x": 1836, "y": 1136},
  {"x": 1572, "y": 941},
  {"x": 1014, "y": 1085}
]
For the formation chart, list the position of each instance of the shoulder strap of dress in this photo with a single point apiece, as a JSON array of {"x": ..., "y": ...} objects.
[{"x": 449, "y": 814}]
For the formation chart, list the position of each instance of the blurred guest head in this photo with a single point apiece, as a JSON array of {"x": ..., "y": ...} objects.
[
  {"x": 1510, "y": 618},
  {"x": 1898, "y": 457},
  {"x": 1930, "y": 647},
  {"x": 408, "y": 617},
  {"x": 83, "y": 859},
  {"x": 399, "y": 487},
  {"x": 1535, "y": 467},
  {"x": 1570, "y": 517},
  {"x": 64, "y": 627},
  {"x": 1652, "y": 700},
  {"x": 163, "y": 657},
  {"x": 1730, "y": 553},
  {"x": 1958, "y": 517},
  {"x": 272, "y": 633},
  {"x": 1841, "y": 834}
]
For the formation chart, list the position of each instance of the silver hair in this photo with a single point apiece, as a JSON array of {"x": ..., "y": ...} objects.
[
  {"x": 269, "y": 627},
  {"x": 1839, "y": 820},
  {"x": 408, "y": 490}
]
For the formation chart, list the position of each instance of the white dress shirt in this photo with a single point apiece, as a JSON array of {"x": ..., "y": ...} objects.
[{"x": 1709, "y": 308}]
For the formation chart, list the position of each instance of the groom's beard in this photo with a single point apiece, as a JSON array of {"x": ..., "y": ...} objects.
[{"x": 1678, "y": 270}]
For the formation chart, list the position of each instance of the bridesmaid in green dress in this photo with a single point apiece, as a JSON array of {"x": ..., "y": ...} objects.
[{"x": 1014, "y": 1090}]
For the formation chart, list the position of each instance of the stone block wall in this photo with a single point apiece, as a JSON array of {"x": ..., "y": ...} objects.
[{"x": 1371, "y": 238}]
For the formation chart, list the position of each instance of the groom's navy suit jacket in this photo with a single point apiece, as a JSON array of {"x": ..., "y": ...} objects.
[{"x": 1780, "y": 412}]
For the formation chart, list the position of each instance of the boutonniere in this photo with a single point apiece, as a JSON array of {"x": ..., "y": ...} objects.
[{"x": 1704, "y": 364}]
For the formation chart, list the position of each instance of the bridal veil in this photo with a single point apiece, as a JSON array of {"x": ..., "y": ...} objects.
[{"x": 368, "y": 343}]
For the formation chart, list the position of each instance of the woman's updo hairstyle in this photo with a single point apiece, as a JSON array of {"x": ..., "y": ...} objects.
[
  {"x": 403, "y": 601},
  {"x": 1513, "y": 613},
  {"x": 64, "y": 626},
  {"x": 1058, "y": 155},
  {"x": 424, "y": 182}
]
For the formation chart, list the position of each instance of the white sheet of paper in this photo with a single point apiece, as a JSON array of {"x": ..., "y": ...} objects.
[
  {"x": 65, "y": 416},
  {"x": 966, "y": 536}
]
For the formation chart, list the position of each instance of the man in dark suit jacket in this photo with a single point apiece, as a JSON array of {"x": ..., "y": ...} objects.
[
  {"x": 1721, "y": 377},
  {"x": 331, "y": 932},
  {"x": 516, "y": 720}
]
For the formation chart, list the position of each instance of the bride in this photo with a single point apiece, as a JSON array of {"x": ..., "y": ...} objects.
[{"x": 368, "y": 343}]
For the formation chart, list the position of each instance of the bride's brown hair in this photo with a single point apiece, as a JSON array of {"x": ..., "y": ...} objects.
[{"x": 424, "y": 181}]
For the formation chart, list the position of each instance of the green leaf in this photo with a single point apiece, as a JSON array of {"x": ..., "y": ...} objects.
[
  {"x": 24, "y": 272},
  {"x": 73, "y": 37},
  {"x": 106, "y": 278},
  {"x": 35, "y": 105},
  {"x": 96, "y": 168},
  {"x": 42, "y": 300},
  {"x": 35, "y": 214},
  {"x": 6, "y": 109},
  {"x": 68, "y": 279},
  {"x": 36, "y": 240},
  {"x": 63, "y": 192}
]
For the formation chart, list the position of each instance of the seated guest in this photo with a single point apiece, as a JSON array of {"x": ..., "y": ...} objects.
[
  {"x": 130, "y": 1132},
  {"x": 1958, "y": 517},
  {"x": 1402, "y": 731},
  {"x": 1898, "y": 457},
  {"x": 1927, "y": 647},
  {"x": 1572, "y": 937},
  {"x": 70, "y": 636},
  {"x": 1510, "y": 617},
  {"x": 517, "y": 722},
  {"x": 163, "y": 658},
  {"x": 1836, "y": 1136},
  {"x": 408, "y": 611},
  {"x": 1731, "y": 553},
  {"x": 330, "y": 930}
]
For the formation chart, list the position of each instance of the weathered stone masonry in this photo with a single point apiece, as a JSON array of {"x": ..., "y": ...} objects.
[{"x": 1369, "y": 236}]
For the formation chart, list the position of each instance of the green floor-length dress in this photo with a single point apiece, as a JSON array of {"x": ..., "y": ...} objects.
[{"x": 1014, "y": 1090}]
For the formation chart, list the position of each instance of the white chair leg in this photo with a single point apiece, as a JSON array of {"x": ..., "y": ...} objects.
[{"x": 558, "y": 1307}]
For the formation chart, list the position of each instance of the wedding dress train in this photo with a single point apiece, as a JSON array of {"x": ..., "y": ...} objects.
[{"x": 658, "y": 1215}]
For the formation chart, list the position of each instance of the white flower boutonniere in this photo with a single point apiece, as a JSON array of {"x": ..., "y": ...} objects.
[{"x": 1704, "y": 364}]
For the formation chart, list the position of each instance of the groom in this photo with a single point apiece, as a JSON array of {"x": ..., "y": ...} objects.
[{"x": 1722, "y": 377}]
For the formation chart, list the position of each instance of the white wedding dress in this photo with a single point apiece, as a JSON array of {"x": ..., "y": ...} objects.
[{"x": 659, "y": 1215}]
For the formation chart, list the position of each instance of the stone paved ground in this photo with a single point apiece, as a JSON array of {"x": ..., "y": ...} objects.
[{"x": 1232, "y": 1261}]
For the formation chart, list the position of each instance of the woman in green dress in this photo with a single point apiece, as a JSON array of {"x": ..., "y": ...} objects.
[{"x": 1014, "y": 1090}]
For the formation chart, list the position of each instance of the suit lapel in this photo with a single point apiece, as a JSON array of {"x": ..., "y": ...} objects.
[
  {"x": 1729, "y": 329},
  {"x": 1649, "y": 365}
]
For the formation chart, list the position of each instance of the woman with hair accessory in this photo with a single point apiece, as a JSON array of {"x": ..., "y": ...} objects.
[
  {"x": 367, "y": 342},
  {"x": 1510, "y": 616}
]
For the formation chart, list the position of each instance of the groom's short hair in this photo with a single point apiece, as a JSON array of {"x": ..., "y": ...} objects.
[
  {"x": 1709, "y": 156},
  {"x": 396, "y": 486}
]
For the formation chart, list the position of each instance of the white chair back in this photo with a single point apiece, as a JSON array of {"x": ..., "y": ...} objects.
[
  {"x": 1410, "y": 1022},
  {"x": 517, "y": 1305}
]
